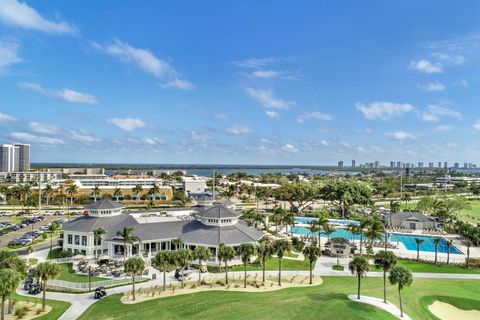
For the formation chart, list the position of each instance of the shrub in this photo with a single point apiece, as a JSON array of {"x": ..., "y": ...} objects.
[
  {"x": 219, "y": 282},
  {"x": 22, "y": 312},
  {"x": 338, "y": 268},
  {"x": 39, "y": 310},
  {"x": 193, "y": 286}
]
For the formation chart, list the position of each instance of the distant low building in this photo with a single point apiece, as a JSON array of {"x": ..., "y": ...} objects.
[
  {"x": 339, "y": 247},
  {"x": 193, "y": 185},
  {"x": 409, "y": 220}
]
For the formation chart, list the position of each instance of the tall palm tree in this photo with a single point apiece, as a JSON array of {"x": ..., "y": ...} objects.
[
  {"x": 137, "y": 190},
  {"x": 154, "y": 190},
  {"x": 418, "y": 241},
  {"x": 183, "y": 258},
  {"x": 177, "y": 243},
  {"x": 128, "y": 238},
  {"x": 449, "y": 244},
  {"x": 385, "y": 260},
  {"x": 9, "y": 281},
  {"x": 363, "y": 223},
  {"x": 359, "y": 266},
  {"x": 288, "y": 220},
  {"x": 246, "y": 251},
  {"x": 402, "y": 277},
  {"x": 201, "y": 254},
  {"x": 281, "y": 247},
  {"x": 374, "y": 230},
  {"x": 96, "y": 193},
  {"x": 48, "y": 192},
  {"x": 71, "y": 192},
  {"x": 9, "y": 259},
  {"x": 225, "y": 254},
  {"x": 436, "y": 241},
  {"x": 161, "y": 261},
  {"x": 406, "y": 197},
  {"x": 264, "y": 252},
  {"x": 44, "y": 272},
  {"x": 117, "y": 193},
  {"x": 97, "y": 236},
  {"x": 134, "y": 267},
  {"x": 52, "y": 229},
  {"x": 312, "y": 253},
  {"x": 468, "y": 243},
  {"x": 316, "y": 229}
]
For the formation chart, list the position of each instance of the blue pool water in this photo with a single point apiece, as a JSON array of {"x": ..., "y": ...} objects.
[
  {"x": 407, "y": 239},
  {"x": 332, "y": 221}
]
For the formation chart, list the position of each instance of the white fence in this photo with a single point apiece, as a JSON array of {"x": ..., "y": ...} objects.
[
  {"x": 441, "y": 258},
  {"x": 83, "y": 286},
  {"x": 61, "y": 260}
]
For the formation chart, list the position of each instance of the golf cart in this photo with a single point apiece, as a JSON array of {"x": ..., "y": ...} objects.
[{"x": 100, "y": 293}]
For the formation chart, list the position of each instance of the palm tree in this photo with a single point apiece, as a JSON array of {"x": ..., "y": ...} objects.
[
  {"x": 44, "y": 272},
  {"x": 406, "y": 197},
  {"x": 280, "y": 248},
  {"x": 288, "y": 220},
  {"x": 53, "y": 228},
  {"x": 161, "y": 261},
  {"x": 177, "y": 243},
  {"x": 468, "y": 243},
  {"x": 264, "y": 252},
  {"x": 246, "y": 251},
  {"x": 316, "y": 229},
  {"x": 363, "y": 223},
  {"x": 134, "y": 267},
  {"x": 117, "y": 193},
  {"x": 97, "y": 236},
  {"x": 436, "y": 241},
  {"x": 48, "y": 191},
  {"x": 127, "y": 236},
  {"x": 201, "y": 254},
  {"x": 183, "y": 257},
  {"x": 225, "y": 254},
  {"x": 71, "y": 191},
  {"x": 10, "y": 260},
  {"x": 418, "y": 242},
  {"x": 9, "y": 281},
  {"x": 359, "y": 266},
  {"x": 154, "y": 190},
  {"x": 312, "y": 253},
  {"x": 137, "y": 190},
  {"x": 402, "y": 277},
  {"x": 449, "y": 244},
  {"x": 385, "y": 260},
  {"x": 374, "y": 230},
  {"x": 96, "y": 192}
]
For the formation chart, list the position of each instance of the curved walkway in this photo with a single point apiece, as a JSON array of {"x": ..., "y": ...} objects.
[{"x": 389, "y": 307}]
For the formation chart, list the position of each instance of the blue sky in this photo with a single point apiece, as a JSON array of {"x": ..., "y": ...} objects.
[{"x": 254, "y": 82}]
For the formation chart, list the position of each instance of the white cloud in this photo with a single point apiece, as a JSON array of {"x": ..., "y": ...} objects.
[
  {"x": 433, "y": 86},
  {"x": 221, "y": 116},
  {"x": 266, "y": 98},
  {"x": 476, "y": 126},
  {"x": 290, "y": 148},
  {"x": 19, "y": 14},
  {"x": 382, "y": 110},
  {"x": 27, "y": 137},
  {"x": 9, "y": 53},
  {"x": 462, "y": 83},
  {"x": 255, "y": 62},
  {"x": 324, "y": 143},
  {"x": 444, "y": 127},
  {"x": 83, "y": 136},
  {"x": 127, "y": 124},
  {"x": 238, "y": 129},
  {"x": 7, "y": 118},
  {"x": 426, "y": 66},
  {"x": 452, "y": 59},
  {"x": 43, "y": 127},
  {"x": 435, "y": 113},
  {"x": 265, "y": 74},
  {"x": 400, "y": 135},
  {"x": 272, "y": 114},
  {"x": 65, "y": 94},
  {"x": 152, "y": 141},
  {"x": 315, "y": 116},
  {"x": 146, "y": 61}
]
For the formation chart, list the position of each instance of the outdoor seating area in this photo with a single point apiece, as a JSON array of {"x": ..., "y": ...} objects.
[{"x": 103, "y": 268}]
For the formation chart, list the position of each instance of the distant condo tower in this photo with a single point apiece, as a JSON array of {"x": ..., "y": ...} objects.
[
  {"x": 23, "y": 157},
  {"x": 14, "y": 157}
]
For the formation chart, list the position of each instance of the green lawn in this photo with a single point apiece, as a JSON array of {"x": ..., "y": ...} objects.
[
  {"x": 68, "y": 274},
  {"x": 472, "y": 214},
  {"x": 58, "y": 307},
  {"x": 414, "y": 266},
  {"x": 272, "y": 264},
  {"x": 328, "y": 301}
]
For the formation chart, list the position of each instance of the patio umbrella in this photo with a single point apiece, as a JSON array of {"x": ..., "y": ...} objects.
[
  {"x": 93, "y": 265},
  {"x": 78, "y": 257},
  {"x": 88, "y": 257},
  {"x": 104, "y": 257}
]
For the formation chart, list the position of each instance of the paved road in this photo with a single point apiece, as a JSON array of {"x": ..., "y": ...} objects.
[{"x": 6, "y": 238}]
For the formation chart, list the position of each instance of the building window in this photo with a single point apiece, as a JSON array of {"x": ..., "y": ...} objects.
[
  {"x": 77, "y": 240},
  {"x": 69, "y": 239},
  {"x": 84, "y": 240}
]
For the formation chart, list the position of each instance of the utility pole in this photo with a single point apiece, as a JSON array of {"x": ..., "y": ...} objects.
[
  {"x": 401, "y": 185},
  {"x": 39, "y": 193},
  {"x": 213, "y": 186}
]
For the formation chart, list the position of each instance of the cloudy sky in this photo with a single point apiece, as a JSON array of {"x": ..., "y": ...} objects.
[{"x": 295, "y": 82}]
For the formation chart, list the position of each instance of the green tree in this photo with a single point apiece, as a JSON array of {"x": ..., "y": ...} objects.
[
  {"x": 436, "y": 241},
  {"x": 403, "y": 278},
  {"x": 183, "y": 258},
  {"x": 363, "y": 223},
  {"x": 418, "y": 241},
  {"x": 10, "y": 260},
  {"x": 9, "y": 281},
  {"x": 359, "y": 266},
  {"x": 385, "y": 260},
  {"x": 48, "y": 192},
  {"x": 246, "y": 251},
  {"x": 134, "y": 267},
  {"x": 53, "y": 229},
  {"x": 468, "y": 244},
  {"x": 264, "y": 251},
  {"x": 312, "y": 252},
  {"x": 162, "y": 261},
  {"x": 96, "y": 193},
  {"x": 46, "y": 271},
  {"x": 137, "y": 190},
  {"x": 344, "y": 194},
  {"x": 201, "y": 254},
  {"x": 128, "y": 237},
  {"x": 225, "y": 254},
  {"x": 449, "y": 244},
  {"x": 177, "y": 243},
  {"x": 97, "y": 237},
  {"x": 281, "y": 247},
  {"x": 374, "y": 230},
  {"x": 117, "y": 193}
]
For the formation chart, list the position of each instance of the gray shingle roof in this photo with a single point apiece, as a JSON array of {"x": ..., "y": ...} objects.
[
  {"x": 104, "y": 204},
  {"x": 218, "y": 211},
  {"x": 110, "y": 224},
  {"x": 405, "y": 215}
]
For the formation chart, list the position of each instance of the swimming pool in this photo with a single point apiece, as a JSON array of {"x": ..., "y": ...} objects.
[
  {"x": 407, "y": 239},
  {"x": 343, "y": 222}
]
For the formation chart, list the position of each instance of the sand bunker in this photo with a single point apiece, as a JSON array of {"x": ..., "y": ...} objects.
[
  {"x": 31, "y": 310},
  {"x": 217, "y": 284},
  {"x": 446, "y": 311}
]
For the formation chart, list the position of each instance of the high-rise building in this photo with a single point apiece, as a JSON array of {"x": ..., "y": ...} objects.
[
  {"x": 420, "y": 164},
  {"x": 392, "y": 164},
  {"x": 23, "y": 157},
  {"x": 376, "y": 164},
  {"x": 340, "y": 164},
  {"x": 439, "y": 165},
  {"x": 445, "y": 165},
  {"x": 353, "y": 163},
  {"x": 8, "y": 158},
  {"x": 430, "y": 164},
  {"x": 456, "y": 165},
  {"x": 465, "y": 165}
]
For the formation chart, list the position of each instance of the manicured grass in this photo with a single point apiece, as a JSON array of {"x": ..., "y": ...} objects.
[
  {"x": 472, "y": 214},
  {"x": 56, "y": 254},
  {"x": 58, "y": 307},
  {"x": 33, "y": 261},
  {"x": 328, "y": 301},
  {"x": 68, "y": 274},
  {"x": 272, "y": 264},
  {"x": 414, "y": 266}
]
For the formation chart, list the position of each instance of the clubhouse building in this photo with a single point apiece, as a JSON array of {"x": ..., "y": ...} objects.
[{"x": 207, "y": 226}]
